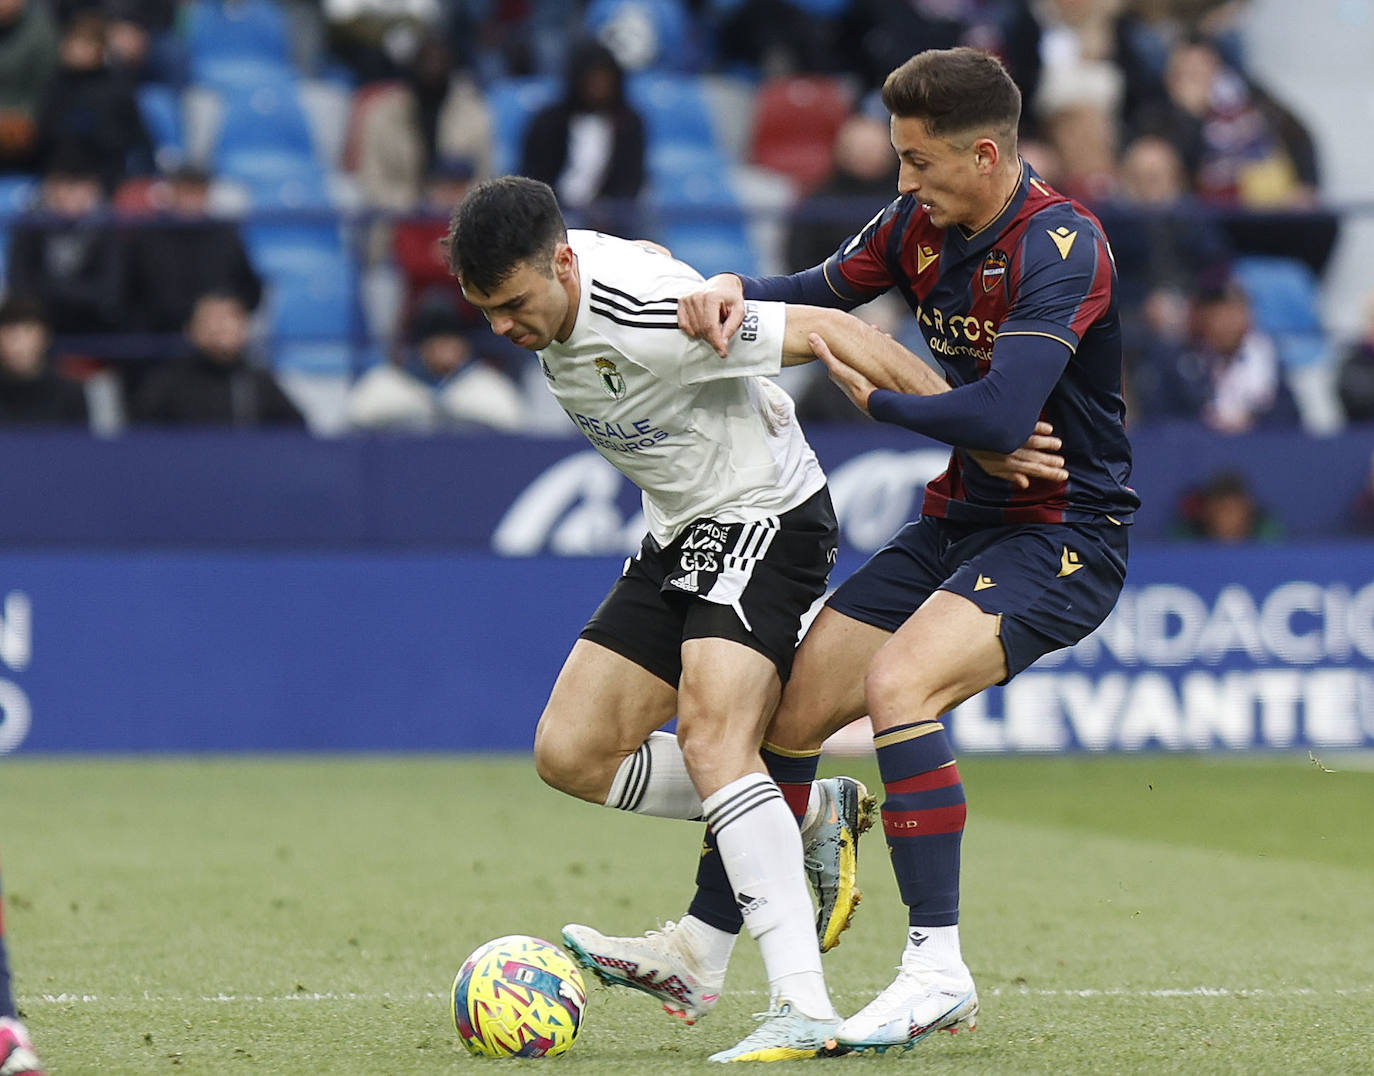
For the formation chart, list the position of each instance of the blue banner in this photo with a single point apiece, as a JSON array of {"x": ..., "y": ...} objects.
[
  {"x": 186, "y": 652},
  {"x": 524, "y": 497}
]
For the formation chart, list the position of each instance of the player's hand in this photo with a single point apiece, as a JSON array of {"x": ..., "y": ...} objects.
[
  {"x": 857, "y": 387},
  {"x": 713, "y": 313},
  {"x": 1037, "y": 458}
]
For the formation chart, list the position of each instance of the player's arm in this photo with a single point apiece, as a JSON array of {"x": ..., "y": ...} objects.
[
  {"x": 996, "y": 413},
  {"x": 881, "y": 359},
  {"x": 886, "y": 362}
]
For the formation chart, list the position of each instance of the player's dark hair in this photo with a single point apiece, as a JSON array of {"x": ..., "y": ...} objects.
[
  {"x": 500, "y": 224},
  {"x": 955, "y": 91}
]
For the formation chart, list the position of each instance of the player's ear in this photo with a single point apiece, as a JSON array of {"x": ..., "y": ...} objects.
[
  {"x": 563, "y": 260},
  {"x": 986, "y": 154}
]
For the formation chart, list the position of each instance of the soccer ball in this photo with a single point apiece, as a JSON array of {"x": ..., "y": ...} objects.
[{"x": 518, "y": 996}]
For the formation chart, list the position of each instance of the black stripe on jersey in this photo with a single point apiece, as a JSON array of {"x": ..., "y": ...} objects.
[
  {"x": 641, "y": 303},
  {"x": 634, "y": 323},
  {"x": 624, "y": 308}
]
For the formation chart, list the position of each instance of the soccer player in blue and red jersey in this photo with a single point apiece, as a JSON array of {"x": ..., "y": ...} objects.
[
  {"x": 1014, "y": 288},
  {"x": 16, "y": 1052}
]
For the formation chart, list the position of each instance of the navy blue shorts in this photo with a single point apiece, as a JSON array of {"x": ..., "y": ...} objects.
[{"x": 1050, "y": 583}]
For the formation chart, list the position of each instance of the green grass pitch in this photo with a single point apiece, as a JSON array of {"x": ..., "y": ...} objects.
[{"x": 1148, "y": 914}]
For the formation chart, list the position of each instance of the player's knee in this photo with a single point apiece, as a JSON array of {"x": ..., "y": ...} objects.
[
  {"x": 892, "y": 688},
  {"x": 564, "y": 761}
]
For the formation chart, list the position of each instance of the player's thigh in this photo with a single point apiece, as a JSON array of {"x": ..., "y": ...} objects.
[
  {"x": 1048, "y": 584},
  {"x": 602, "y": 707},
  {"x": 947, "y": 651},
  {"x": 826, "y": 690}
]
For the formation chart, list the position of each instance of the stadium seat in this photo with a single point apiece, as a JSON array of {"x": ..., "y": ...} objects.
[
  {"x": 236, "y": 28},
  {"x": 512, "y": 102},
  {"x": 644, "y": 34},
  {"x": 270, "y": 117},
  {"x": 1285, "y": 297},
  {"x": 160, "y": 107},
  {"x": 238, "y": 74},
  {"x": 312, "y": 285},
  {"x": 796, "y": 119},
  {"x": 276, "y": 179},
  {"x": 674, "y": 108}
]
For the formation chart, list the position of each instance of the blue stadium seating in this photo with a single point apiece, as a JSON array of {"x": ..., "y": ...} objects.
[
  {"x": 673, "y": 106},
  {"x": 659, "y": 34},
  {"x": 216, "y": 29},
  {"x": 160, "y": 106},
  {"x": 512, "y": 102},
  {"x": 270, "y": 117},
  {"x": 1285, "y": 299},
  {"x": 313, "y": 293}
]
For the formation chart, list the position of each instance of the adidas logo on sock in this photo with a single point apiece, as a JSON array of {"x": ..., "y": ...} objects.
[{"x": 749, "y": 904}]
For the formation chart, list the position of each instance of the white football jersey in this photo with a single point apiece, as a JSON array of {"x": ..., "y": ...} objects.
[{"x": 702, "y": 436}]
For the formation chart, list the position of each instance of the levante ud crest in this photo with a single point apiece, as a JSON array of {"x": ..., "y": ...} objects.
[{"x": 994, "y": 269}]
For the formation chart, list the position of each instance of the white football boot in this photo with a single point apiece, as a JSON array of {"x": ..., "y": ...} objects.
[
  {"x": 16, "y": 1051},
  {"x": 830, "y": 849},
  {"x": 785, "y": 1033},
  {"x": 660, "y": 963},
  {"x": 922, "y": 999}
]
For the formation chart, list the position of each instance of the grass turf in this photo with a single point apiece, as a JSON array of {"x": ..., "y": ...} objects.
[{"x": 1145, "y": 914}]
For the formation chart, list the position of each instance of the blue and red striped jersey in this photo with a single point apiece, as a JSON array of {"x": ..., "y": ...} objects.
[{"x": 1041, "y": 269}]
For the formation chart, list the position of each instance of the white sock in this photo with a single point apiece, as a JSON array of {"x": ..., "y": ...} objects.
[
  {"x": 937, "y": 947},
  {"x": 710, "y": 945},
  {"x": 760, "y": 847},
  {"x": 813, "y": 806},
  {"x": 653, "y": 780}
]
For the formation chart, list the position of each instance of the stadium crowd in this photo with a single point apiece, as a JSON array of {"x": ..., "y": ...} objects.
[{"x": 132, "y": 193}]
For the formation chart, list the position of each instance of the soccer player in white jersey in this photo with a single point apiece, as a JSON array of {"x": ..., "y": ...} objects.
[{"x": 705, "y": 618}]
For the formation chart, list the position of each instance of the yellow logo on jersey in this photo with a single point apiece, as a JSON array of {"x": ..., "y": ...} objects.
[
  {"x": 1063, "y": 239},
  {"x": 1068, "y": 562},
  {"x": 983, "y": 583},
  {"x": 924, "y": 256}
]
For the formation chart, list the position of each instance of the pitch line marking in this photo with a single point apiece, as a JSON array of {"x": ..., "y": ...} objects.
[{"x": 997, "y": 992}]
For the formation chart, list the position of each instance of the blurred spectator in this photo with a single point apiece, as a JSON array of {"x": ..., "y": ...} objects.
[
  {"x": 1227, "y": 375},
  {"x": 1239, "y": 145},
  {"x": 182, "y": 253},
  {"x": 64, "y": 253},
  {"x": 90, "y": 108},
  {"x": 863, "y": 181},
  {"x": 28, "y": 58},
  {"x": 889, "y": 33},
  {"x": 439, "y": 384},
  {"x": 781, "y": 37},
  {"x": 1223, "y": 509},
  {"x": 1355, "y": 377},
  {"x": 217, "y": 384},
  {"x": 141, "y": 43},
  {"x": 435, "y": 111},
  {"x": 377, "y": 39},
  {"x": 1077, "y": 111},
  {"x": 1164, "y": 244},
  {"x": 590, "y": 144},
  {"x": 31, "y": 392}
]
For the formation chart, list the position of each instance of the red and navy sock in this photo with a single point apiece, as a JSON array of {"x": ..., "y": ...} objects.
[
  {"x": 714, "y": 900},
  {"x": 923, "y": 818},
  {"x": 6, "y": 997}
]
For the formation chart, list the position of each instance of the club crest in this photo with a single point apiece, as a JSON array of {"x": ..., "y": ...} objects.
[
  {"x": 611, "y": 379},
  {"x": 994, "y": 269}
]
